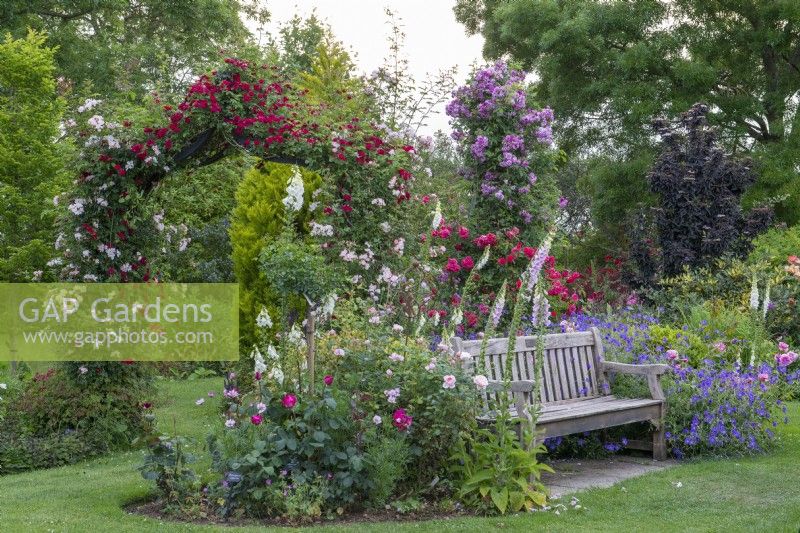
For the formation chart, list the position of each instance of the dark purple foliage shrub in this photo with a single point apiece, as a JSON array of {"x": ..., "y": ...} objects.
[{"x": 699, "y": 216}]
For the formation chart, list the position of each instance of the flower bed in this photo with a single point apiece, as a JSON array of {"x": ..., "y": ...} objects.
[{"x": 713, "y": 407}]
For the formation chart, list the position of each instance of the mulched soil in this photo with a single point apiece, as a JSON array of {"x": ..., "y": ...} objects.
[{"x": 155, "y": 509}]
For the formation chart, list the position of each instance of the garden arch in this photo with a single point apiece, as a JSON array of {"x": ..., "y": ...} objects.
[{"x": 105, "y": 236}]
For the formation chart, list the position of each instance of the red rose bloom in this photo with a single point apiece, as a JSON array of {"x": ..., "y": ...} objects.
[{"x": 452, "y": 265}]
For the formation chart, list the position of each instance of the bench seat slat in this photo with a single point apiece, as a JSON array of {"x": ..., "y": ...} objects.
[
  {"x": 549, "y": 382},
  {"x": 604, "y": 404},
  {"x": 583, "y": 409},
  {"x": 569, "y": 357},
  {"x": 587, "y": 370}
]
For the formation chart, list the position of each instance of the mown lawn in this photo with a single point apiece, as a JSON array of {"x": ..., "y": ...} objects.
[{"x": 753, "y": 494}]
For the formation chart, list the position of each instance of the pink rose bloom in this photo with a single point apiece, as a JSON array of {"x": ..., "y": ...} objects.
[
  {"x": 401, "y": 420},
  {"x": 289, "y": 401},
  {"x": 763, "y": 377},
  {"x": 256, "y": 420},
  {"x": 465, "y": 356},
  {"x": 467, "y": 263},
  {"x": 396, "y": 357},
  {"x": 481, "y": 382},
  {"x": 720, "y": 346},
  {"x": 463, "y": 232},
  {"x": 339, "y": 352},
  {"x": 449, "y": 382},
  {"x": 328, "y": 380},
  {"x": 672, "y": 355},
  {"x": 783, "y": 347}
]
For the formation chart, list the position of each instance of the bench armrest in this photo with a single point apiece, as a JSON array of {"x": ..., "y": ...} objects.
[
  {"x": 652, "y": 372},
  {"x": 638, "y": 370},
  {"x": 521, "y": 391}
]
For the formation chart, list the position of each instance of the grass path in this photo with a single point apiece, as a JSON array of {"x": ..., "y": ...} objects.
[{"x": 753, "y": 494}]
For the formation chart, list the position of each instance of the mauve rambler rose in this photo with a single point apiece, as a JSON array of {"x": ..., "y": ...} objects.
[{"x": 480, "y": 381}]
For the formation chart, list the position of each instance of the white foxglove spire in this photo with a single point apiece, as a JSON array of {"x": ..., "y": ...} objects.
[
  {"x": 754, "y": 294},
  {"x": 484, "y": 258},
  {"x": 294, "y": 191},
  {"x": 437, "y": 215},
  {"x": 263, "y": 320}
]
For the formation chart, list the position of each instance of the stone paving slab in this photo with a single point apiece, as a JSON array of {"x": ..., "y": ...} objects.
[{"x": 573, "y": 475}]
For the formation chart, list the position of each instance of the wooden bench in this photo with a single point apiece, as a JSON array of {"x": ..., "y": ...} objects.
[{"x": 574, "y": 390}]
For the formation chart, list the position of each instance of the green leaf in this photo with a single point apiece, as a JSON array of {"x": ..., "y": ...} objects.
[
  {"x": 516, "y": 500},
  {"x": 539, "y": 498},
  {"x": 483, "y": 475},
  {"x": 500, "y": 499},
  {"x": 545, "y": 468}
]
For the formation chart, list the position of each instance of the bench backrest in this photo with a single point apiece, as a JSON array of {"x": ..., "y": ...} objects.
[{"x": 569, "y": 368}]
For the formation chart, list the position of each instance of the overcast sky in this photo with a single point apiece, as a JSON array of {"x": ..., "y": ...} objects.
[{"x": 434, "y": 40}]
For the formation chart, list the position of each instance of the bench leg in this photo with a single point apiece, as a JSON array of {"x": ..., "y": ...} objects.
[{"x": 659, "y": 442}]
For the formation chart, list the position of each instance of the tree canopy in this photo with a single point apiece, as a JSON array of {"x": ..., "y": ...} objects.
[
  {"x": 31, "y": 164},
  {"x": 608, "y": 68},
  {"x": 131, "y": 48}
]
